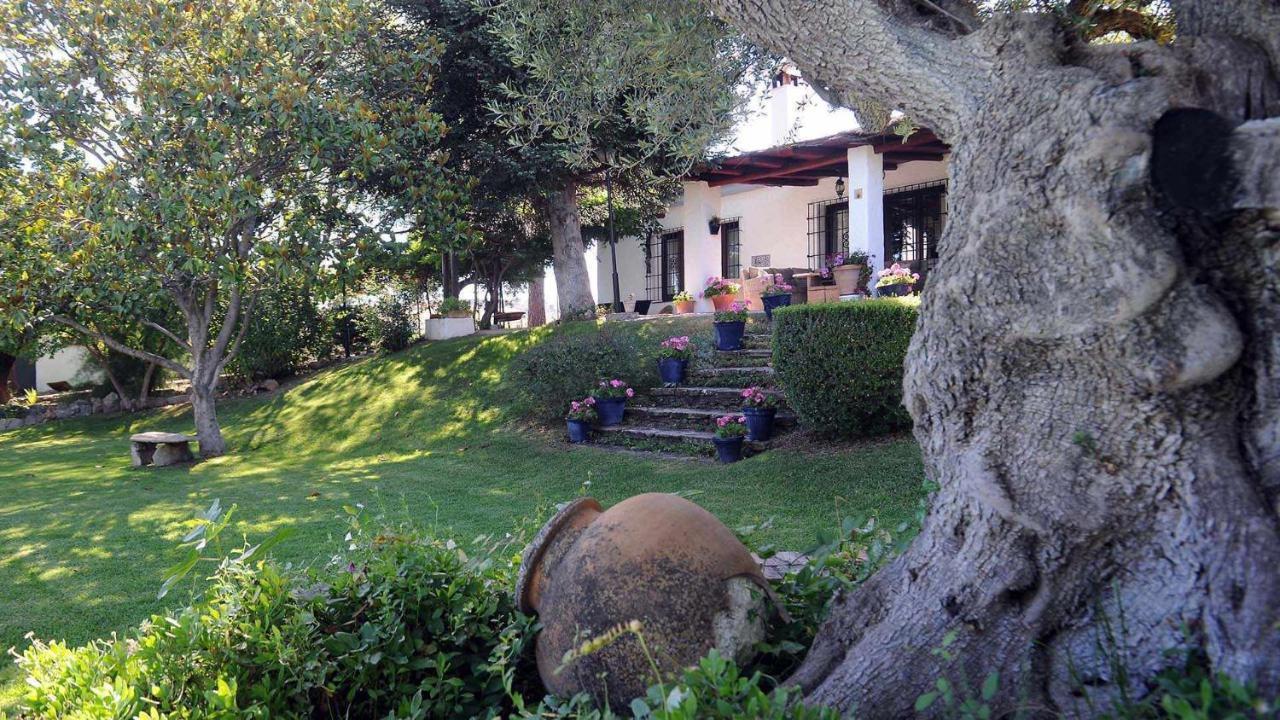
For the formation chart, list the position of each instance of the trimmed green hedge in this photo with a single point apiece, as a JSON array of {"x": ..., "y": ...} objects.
[{"x": 841, "y": 364}]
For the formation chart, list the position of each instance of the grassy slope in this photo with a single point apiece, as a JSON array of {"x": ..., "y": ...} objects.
[{"x": 422, "y": 435}]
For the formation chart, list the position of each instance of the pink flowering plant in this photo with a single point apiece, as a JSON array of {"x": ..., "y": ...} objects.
[
  {"x": 897, "y": 275},
  {"x": 676, "y": 348},
  {"x": 737, "y": 312},
  {"x": 731, "y": 426},
  {"x": 757, "y": 397},
  {"x": 583, "y": 410},
  {"x": 776, "y": 286},
  {"x": 612, "y": 389},
  {"x": 719, "y": 286}
]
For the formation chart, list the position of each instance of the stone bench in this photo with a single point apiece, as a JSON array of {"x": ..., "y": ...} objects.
[{"x": 160, "y": 449}]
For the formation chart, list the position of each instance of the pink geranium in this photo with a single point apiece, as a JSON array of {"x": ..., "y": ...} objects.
[
  {"x": 612, "y": 390},
  {"x": 731, "y": 426}
]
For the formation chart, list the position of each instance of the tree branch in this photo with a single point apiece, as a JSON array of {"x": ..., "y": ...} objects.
[
  {"x": 121, "y": 347},
  {"x": 857, "y": 52},
  {"x": 169, "y": 334},
  {"x": 1257, "y": 21}
]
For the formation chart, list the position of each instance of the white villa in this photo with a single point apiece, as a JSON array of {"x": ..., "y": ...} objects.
[{"x": 791, "y": 205}]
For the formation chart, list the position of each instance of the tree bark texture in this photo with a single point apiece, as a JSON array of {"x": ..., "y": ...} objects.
[
  {"x": 537, "y": 302},
  {"x": 7, "y": 362},
  {"x": 573, "y": 284},
  {"x": 1095, "y": 379}
]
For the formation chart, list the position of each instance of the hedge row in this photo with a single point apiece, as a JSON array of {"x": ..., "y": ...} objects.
[{"x": 841, "y": 364}]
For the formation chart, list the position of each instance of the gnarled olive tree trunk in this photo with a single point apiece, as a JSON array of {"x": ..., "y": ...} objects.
[
  {"x": 1095, "y": 380},
  {"x": 573, "y": 283}
]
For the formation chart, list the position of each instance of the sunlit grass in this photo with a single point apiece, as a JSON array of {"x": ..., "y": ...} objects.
[{"x": 423, "y": 436}]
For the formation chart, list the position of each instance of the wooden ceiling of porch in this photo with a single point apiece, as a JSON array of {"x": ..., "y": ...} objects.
[{"x": 805, "y": 163}]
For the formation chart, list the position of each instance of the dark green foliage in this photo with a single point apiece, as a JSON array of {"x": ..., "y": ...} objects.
[
  {"x": 345, "y": 325},
  {"x": 400, "y": 624},
  {"x": 388, "y": 323},
  {"x": 567, "y": 366},
  {"x": 286, "y": 330},
  {"x": 841, "y": 364}
]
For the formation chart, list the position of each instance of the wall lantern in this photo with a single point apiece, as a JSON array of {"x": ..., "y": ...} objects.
[
  {"x": 840, "y": 187},
  {"x": 713, "y": 226}
]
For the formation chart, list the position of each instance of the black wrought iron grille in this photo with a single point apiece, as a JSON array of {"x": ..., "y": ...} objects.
[
  {"x": 914, "y": 216},
  {"x": 828, "y": 230},
  {"x": 664, "y": 265},
  {"x": 730, "y": 248}
]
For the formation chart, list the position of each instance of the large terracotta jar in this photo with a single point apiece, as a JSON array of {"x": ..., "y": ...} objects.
[
  {"x": 849, "y": 279},
  {"x": 655, "y": 558}
]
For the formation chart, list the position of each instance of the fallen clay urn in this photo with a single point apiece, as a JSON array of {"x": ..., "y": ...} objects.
[{"x": 657, "y": 559}]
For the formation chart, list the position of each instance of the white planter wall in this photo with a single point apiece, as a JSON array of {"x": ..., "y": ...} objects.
[{"x": 446, "y": 328}]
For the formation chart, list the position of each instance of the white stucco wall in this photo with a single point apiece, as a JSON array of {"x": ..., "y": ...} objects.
[{"x": 62, "y": 366}]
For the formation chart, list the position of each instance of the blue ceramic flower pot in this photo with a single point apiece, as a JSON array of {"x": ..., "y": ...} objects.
[
  {"x": 898, "y": 290},
  {"x": 774, "y": 301},
  {"x": 671, "y": 370},
  {"x": 579, "y": 431},
  {"x": 728, "y": 450},
  {"x": 610, "y": 410},
  {"x": 729, "y": 335},
  {"x": 759, "y": 423}
]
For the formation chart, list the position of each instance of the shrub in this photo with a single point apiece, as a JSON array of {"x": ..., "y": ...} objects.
[
  {"x": 401, "y": 625},
  {"x": 388, "y": 323},
  {"x": 347, "y": 327},
  {"x": 286, "y": 330},
  {"x": 841, "y": 364},
  {"x": 564, "y": 367}
]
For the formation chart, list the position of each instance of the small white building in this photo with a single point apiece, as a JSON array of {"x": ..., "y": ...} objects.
[
  {"x": 65, "y": 365},
  {"x": 791, "y": 205}
]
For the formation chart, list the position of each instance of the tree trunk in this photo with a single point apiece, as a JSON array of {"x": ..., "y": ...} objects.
[
  {"x": 1095, "y": 378},
  {"x": 7, "y": 362},
  {"x": 204, "y": 408},
  {"x": 145, "y": 391},
  {"x": 537, "y": 313},
  {"x": 573, "y": 284}
]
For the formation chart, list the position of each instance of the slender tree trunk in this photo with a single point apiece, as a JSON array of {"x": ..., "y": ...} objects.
[
  {"x": 1101, "y": 412},
  {"x": 103, "y": 356},
  {"x": 573, "y": 284},
  {"x": 145, "y": 391},
  {"x": 209, "y": 433},
  {"x": 537, "y": 313}
]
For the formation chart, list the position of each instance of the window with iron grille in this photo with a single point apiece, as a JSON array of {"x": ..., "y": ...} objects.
[
  {"x": 914, "y": 217},
  {"x": 664, "y": 265},
  {"x": 730, "y": 248},
  {"x": 828, "y": 230}
]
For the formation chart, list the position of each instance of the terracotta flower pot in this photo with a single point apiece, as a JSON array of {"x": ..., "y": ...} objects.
[
  {"x": 848, "y": 278},
  {"x": 657, "y": 559},
  {"x": 722, "y": 302},
  {"x": 683, "y": 307}
]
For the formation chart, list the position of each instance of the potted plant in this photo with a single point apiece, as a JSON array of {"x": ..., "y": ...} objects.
[
  {"x": 673, "y": 359},
  {"x": 759, "y": 408},
  {"x": 896, "y": 280},
  {"x": 611, "y": 400},
  {"x": 683, "y": 302},
  {"x": 775, "y": 295},
  {"x": 731, "y": 430},
  {"x": 582, "y": 415},
  {"x": 720, "y": 292},
  {"x": 850, "y": 271},
  {"x": 454, "y": 308},
  {"x": 730, "y": 324}
]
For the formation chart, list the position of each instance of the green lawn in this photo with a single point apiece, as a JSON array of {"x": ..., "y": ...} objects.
[{"x": 421, "y": 436}]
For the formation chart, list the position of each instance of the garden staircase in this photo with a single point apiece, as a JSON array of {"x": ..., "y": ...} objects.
[{"x": 682, "y": 419}]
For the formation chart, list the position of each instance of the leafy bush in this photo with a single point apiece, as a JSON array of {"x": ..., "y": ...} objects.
[
  {"x": 347, "y": 327},
  {"x": 841, "y": 364},
  {"x": 401, "y": 625},
  {"x": 450, "y": 305},
  {"x": 388, "y": 322},
  {"x": 564, "y": 367},
  {"x": 286, "y": 330}
]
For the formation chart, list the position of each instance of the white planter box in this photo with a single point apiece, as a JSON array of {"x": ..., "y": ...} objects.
[{"x": 445, "y": 328}]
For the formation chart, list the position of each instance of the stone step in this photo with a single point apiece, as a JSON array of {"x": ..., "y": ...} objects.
[
  {"x": 757, "y": 342},
  {"x": 741, "y": 358},
  {"x": 667, "y": 439},
  {"x": 722, "y": 399},
  {"x": 693, "y": 418}
]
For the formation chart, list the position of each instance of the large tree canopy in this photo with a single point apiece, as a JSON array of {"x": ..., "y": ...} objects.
[
  {"x": 195, "y": 150},
  {"x": 1095, "y": 379}
]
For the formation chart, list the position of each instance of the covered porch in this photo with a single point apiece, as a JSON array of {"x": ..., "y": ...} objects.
[{"x": 793, "y": 206}]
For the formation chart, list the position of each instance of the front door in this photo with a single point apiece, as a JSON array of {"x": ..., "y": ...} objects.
[{"x": 913, "y": 220}]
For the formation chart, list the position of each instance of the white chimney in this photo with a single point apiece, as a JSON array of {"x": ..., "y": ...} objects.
[{"x": 784, "y": 99}]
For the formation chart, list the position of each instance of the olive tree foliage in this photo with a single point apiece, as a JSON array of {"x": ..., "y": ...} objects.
[
  {"x": 196, "y": 151},
  {"x": 630, "y": 87},
  {"x": 1103, "y": 422}
]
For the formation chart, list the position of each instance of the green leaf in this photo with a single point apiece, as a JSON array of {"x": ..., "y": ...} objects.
[
  {"x": 924, "y": 701},
  {"x": 991, "y": 685}
]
